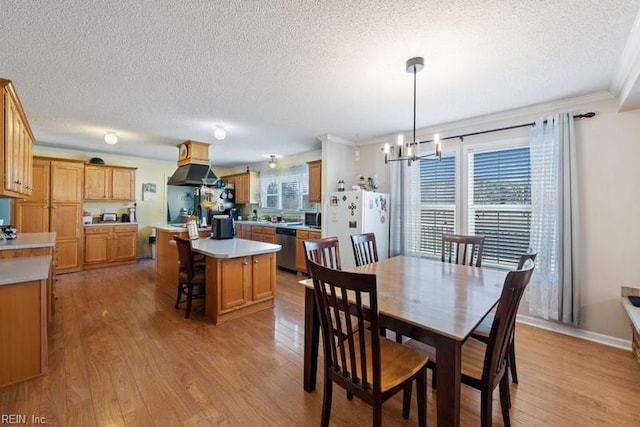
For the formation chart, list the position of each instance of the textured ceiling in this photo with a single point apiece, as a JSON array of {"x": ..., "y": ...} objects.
[{"x": 278, "y": 74}]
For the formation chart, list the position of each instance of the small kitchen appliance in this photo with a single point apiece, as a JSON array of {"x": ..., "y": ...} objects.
[
  {"x": 109, "y": 217},
  {"x": 222, "y": 228}
]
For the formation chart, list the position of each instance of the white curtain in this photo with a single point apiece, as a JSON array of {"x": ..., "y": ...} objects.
[
  {"x": 553, "y": 291},
  {"x": 405, "y": 208}
]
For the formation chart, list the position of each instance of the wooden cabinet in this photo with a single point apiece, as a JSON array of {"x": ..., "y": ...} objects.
[
  {"x": 109, "y": 182},
  {"x": 243, "y": 231},
  {"x": 55, "y": 206},
  {"x": 16, "y": 145},
  {"x": 239, "y": 286},
  {"x": 315, "y": 181},
  {"x": 246, "y": 187},
  {"x": 259, "y": 233},
  {"x": 23, "y": 327},
  {"x": 301, "y": 259},
  {"x": 107, "y": 245}
]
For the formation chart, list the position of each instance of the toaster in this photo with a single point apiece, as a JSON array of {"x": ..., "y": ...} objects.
[{"x": 109, "y": 217}]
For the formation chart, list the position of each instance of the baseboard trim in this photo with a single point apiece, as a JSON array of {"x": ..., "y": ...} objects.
[{"x": 575, "y": 332}]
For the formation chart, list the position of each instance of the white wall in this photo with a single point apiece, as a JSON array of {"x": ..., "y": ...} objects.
[{"x": 609, "y": 178}]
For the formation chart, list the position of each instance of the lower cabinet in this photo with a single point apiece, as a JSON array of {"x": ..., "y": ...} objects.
[
  {"x": 106, "y": 245},
  {"x": 238, "y": 286},
  {"x": 301, "y": 258}
]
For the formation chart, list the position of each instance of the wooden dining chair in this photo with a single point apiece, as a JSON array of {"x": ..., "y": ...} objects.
[
  {"x": 367, "y": 365},
  {"x": 461, "y": 249},
  {"x": 324, "y": 251},
  {"x": 482, "y": 332},
  {"x": 484, "y": 366},
  {"x": 191, "y": 280},
  {"x": 365, "y": 250}
]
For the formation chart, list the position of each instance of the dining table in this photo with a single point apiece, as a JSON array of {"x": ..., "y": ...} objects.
[{"x": 434, "y": 302}]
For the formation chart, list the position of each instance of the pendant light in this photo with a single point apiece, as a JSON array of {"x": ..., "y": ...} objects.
[{"x": 410, "y": 151}]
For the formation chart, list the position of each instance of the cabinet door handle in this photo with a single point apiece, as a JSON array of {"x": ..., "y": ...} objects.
[
  {"x": 255, "y": 261},
  {"x": 245, "y": 263}
]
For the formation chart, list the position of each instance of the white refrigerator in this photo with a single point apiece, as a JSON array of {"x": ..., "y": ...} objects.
[{"x": 355, "y": 212}]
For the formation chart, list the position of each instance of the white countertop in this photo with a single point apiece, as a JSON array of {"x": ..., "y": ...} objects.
[
  {"x": 28, "y": 241},
  {"x": 232, "y": 248},
  {"x": 632, "y": 312},
  {"x": 94, "y": 224},
  {"x": 278, "y": 225},
  {"x": 19, "y": 270},
  {"x": 175, "y": 229}
]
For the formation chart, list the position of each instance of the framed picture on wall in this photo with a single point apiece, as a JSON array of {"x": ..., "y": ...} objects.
[{"x": 149, "y": 191}]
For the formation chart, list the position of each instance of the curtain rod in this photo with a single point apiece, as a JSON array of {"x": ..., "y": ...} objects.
[{"x": 482, "y": 132}]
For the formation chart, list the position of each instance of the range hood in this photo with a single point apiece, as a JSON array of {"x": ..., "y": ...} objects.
[
  {"x": 192, "y": 175},
  {"x": 193, "y": 166}
]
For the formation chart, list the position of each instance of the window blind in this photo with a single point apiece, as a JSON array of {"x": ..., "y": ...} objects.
[
  {"x": 437, "y": 203},
  {"x": 500, "y": 202},
  {"x": 286, "y": 189}
]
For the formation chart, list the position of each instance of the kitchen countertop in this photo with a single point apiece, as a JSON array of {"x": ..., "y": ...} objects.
[
  {"x": 278, "y": 225},
  {"x": 29, "y": 241},
  {"x": 174, "y": 228},
  {"x": 19, "y": 270},
  {"x": 97, "y": 224},
  {"x": 232, "y": 248}
]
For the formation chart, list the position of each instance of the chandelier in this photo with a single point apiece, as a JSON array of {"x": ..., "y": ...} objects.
[{"x": 410, "y": 151}]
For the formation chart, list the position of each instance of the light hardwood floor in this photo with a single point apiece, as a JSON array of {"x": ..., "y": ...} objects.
[{"x": 121, "y": 355}]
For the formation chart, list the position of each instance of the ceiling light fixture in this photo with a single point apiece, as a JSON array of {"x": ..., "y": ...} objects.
[
  {"x": 111, "y": 138},
  {"x": 219, "y": 133},
  {"x": 272, "y": 161},
  {"x": 411, "y": 150}
]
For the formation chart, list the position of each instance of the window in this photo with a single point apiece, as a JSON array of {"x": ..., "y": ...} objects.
[
  {"x": 437, "y": 202},
  {"x": 500, "y": 202},
  {"x": 496, "y": 204},
  {"x": 285, "y": 189}
]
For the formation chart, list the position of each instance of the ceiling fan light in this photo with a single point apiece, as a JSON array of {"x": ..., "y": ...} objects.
[
  {"x": 272, "y": 162},
  {"x": 111, "y": 138},
  {"x": 219, "y": 133}
]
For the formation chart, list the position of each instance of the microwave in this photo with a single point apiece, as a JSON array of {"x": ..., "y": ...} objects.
[
  {"x": 313, "y": 219},
  {"x": 222, "y": 228}
]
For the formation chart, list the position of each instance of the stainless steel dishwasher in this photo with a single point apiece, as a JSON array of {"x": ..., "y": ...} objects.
[{"x": 286, "y": 257}]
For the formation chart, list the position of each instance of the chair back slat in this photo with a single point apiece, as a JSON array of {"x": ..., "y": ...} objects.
[
  {"x": 504, "y": 323},
  {"x": 342, "y": 298},
  {"x": 185, "y": 256},
  {"x": 461, "y": 249},
  {"x": 325, "y": 251},
  {"x": 365, "y": 250}
]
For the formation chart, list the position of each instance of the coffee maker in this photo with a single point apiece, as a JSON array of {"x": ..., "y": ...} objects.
[{"x": 132, "y": 213}]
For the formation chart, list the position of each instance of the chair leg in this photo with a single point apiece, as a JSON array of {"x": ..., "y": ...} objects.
[
  {"x": 421, "y": 395},
  {"x": 406, "y": 400},
  {"x": 326, "y": 402},
  {"x": 179, "y": 295},
  {"x": 377, "y": 415},
  {"x": 486, "y": 414},
  {"x": 187, "y": 313},
  {"x": 505, "y": 400},
  {"x": 512, "y": 361}
]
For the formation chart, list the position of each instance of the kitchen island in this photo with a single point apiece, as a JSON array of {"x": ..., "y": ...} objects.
[
  {"x": 32, "y": 245},
  {"x": 23, "y": 317},
  {"x": 240, "y": 276}
]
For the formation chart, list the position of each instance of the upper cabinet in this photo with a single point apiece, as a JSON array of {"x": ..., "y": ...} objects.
[
  {"x": 315, "y": 181},
  {"x": 109, "y": 182},
  {"x": 246, "y": 186},
  {"x": 16, "y": 145}
]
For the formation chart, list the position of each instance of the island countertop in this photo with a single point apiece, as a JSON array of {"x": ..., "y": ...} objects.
[
  {"x": 29, "y": 241},
  {"x": 18, "y": 270},
  {"x": 232, "y": 248}
]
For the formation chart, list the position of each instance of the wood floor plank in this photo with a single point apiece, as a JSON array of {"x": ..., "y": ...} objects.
[{"x": 120, "y": 354}]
